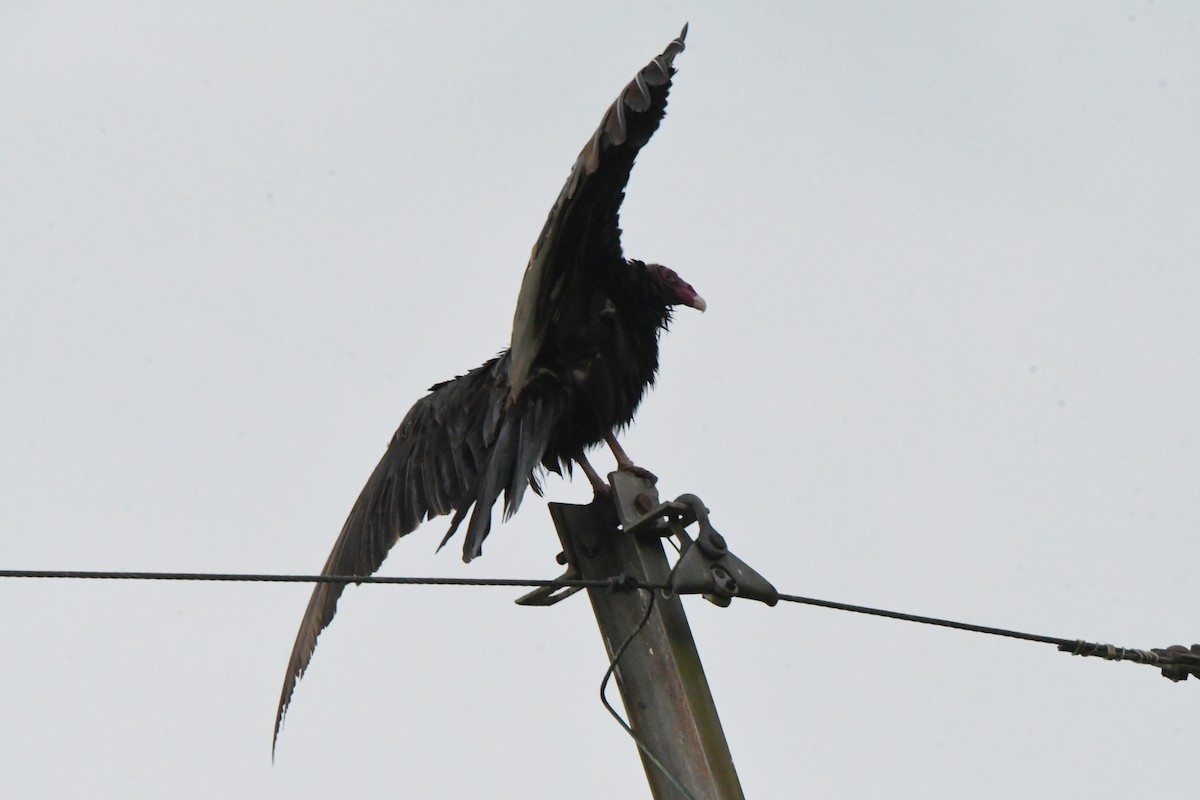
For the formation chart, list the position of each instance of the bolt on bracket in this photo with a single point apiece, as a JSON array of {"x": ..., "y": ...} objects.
[
  {"x": 549, "y": 595},
  {"x": 705, "y": 564}
]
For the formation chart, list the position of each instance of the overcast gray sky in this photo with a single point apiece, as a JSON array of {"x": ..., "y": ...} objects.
[{"x": 952, "y": 258}]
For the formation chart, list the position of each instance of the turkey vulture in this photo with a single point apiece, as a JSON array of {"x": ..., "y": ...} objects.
[{"x": 584, "y": 350}]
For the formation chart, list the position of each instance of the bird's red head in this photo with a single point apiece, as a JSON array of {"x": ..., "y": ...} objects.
[{"x": 675, "y": 289}]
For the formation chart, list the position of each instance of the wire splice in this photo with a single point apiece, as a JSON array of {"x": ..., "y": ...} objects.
[{"x": 1176, "y": 662}]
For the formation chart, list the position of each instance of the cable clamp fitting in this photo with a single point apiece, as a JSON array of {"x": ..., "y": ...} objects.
[
  {"x": 1176, "y": 662},
  {"x": 705, "y": 564}
]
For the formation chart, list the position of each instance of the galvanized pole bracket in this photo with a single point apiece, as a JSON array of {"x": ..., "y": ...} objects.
[
  {"x": 549, "y": 595},
  {"x": 705, "y": 565}
]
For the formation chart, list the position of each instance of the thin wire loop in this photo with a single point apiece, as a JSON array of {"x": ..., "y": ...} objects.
[{"x": 612, "y": 666}]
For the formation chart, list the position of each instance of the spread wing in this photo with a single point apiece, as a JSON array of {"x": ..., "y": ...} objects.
[
  {"x": 472, "y": 438},
  {"x": 581, "y": 238},
  {"x": 433, "y": 465},
  {"x": 462, "y": 445}
]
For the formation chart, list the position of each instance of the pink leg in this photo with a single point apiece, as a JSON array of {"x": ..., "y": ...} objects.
[
  {"x": 625, "y": 463},
  {"x": 599, "y": 486}
]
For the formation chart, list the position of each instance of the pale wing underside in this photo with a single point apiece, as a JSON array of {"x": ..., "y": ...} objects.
[{"x": 573, "y": 239}]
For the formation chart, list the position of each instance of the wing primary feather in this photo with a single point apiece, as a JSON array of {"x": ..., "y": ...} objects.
[
  {"x": 406, "y": 487},
  {"x": 482, "y": 434},
  {"x": 593, "y": 188},
  {"x": 614, "y": 127},
  {"x": 637, "y": 94}
]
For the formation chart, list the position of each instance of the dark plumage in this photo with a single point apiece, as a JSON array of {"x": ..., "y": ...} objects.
[{"x": 584, "y": 350}]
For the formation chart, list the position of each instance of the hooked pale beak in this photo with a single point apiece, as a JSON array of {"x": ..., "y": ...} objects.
[{"x": 698, "y": 304}]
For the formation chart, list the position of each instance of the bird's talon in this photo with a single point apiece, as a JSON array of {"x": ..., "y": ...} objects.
[{"x": 641, "y": 472}]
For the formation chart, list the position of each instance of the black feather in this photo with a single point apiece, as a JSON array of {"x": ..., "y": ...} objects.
[{"x": 584, "y": 349}]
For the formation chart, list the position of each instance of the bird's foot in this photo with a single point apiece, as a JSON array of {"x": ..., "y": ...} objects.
[
  {"x": 600, "y": 487},
  {"x": 625, "y": 463},
  {"x": 641, "y": 472}
]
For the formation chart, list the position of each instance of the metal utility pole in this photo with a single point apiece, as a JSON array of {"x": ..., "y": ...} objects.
[{"x": 661, "y": 680}]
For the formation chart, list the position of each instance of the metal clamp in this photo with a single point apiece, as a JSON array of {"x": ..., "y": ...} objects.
[
  {"x": 549, "y": 595},
  {"x": 705, "y": 564},
  {"x": 1178, "y": 661}
]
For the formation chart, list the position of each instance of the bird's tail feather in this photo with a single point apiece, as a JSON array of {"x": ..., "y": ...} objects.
[{"x": 520, "y": 442}]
